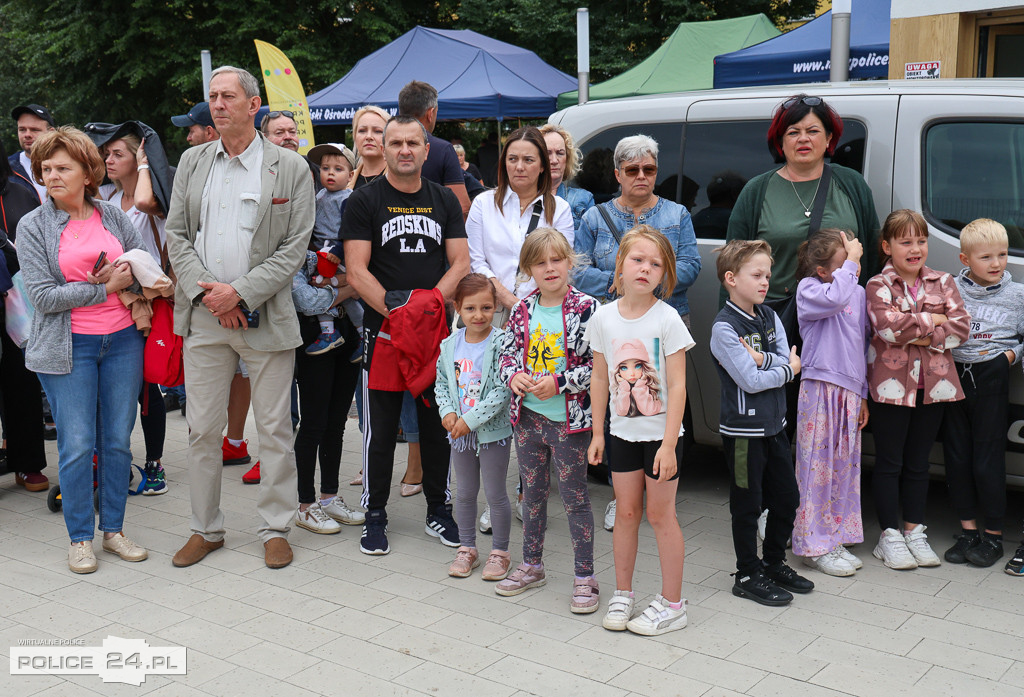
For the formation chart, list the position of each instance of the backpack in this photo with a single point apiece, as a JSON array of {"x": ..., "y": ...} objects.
[{"x": 162, "y": 360}]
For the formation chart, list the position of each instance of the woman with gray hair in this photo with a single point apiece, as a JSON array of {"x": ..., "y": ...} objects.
[
  {"x": 565, "y": 161},
  {"x": 473, "y": 170},
  {"x": 602, "y": 227}
]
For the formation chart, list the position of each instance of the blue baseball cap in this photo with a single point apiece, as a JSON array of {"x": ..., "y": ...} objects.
[{"x": 199, "y": 114}]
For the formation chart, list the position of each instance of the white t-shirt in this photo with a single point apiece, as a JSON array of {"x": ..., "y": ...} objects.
[
  {"x": 139, "y": 219},
  {"x": 635, "y": 351}
]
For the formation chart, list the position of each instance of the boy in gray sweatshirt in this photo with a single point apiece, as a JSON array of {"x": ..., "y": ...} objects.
[{"x": 974, "y": 438}]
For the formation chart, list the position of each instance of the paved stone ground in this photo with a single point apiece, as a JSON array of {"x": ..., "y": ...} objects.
[{"x": 337, "y": 622}]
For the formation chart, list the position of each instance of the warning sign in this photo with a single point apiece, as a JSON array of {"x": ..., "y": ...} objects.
[{"x": 922, "y": 71}]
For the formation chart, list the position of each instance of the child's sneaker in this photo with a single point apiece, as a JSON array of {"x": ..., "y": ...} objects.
[
  {"x": 658, "y": 618},
  {"x": 375, "y": 534},
  {"x": 155, "y": 482},
  {"x": 339, "y": 510},
  {"x": 757, "y": 587},
  {"x": 762, "y": 524},
  {"x": 917, "y": 543},
  {"x": 620, "y": 611},
  {"x": 523, "y": 578},
  {"x": 441, "y": 525},
  {"x": 466, "y": 559},
  {"x": 1015, "y": 567},
  {"x": 985, "y": 553},
  {"x": 609, "y": 516},
  {"x": 324, "y": 343},
  {"x": 892, "y": 550},
  {"x": 485, "y": 521},
  {"x": 357, "y": 355},
  {"x": 957, "y": 554},
  {"x": 831, "y": 563},
  {"x": 315, "y": 519},
  {"x": 585, "y": 598},
  {"x": 850, "y": 558},
  {"x": 783, "y": 576},
  {"x": 497, "y": 566}
]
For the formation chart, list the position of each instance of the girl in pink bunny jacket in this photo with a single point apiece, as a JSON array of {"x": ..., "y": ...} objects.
[{"x": 917, "y": 316}]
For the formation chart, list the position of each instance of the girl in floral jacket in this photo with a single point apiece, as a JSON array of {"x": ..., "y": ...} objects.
[
  {"x": 917, "y": 316},
  {"x": 547, "y": 363}
]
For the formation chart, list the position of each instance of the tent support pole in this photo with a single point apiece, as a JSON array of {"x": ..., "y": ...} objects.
[{"x": 839, "y": 68}]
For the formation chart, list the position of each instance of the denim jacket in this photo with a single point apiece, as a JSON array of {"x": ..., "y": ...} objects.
[
  {"x": 490, "y": 417},
  {"x": 580, "y": 201},
  {"x": 595, "y": 242}
]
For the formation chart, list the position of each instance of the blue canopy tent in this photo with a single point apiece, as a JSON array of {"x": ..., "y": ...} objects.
[
  {"x": 802, "y": 55},
  {"x": 476, "y": 77}
]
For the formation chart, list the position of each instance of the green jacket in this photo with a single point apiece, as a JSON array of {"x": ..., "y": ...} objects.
[
  {"x": 746, "y": 214},
  {"x": 490, "y": 416}
]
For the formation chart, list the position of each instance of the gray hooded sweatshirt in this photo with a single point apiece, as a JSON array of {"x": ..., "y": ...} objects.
[{"x": 997, "y": 319}]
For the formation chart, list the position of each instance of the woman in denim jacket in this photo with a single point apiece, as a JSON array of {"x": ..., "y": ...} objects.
[
  {"x": 636, "y": 169},
  {"x": 565, "y": 162}
]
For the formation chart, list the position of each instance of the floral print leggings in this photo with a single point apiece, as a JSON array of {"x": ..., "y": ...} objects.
[{"x": 539, "y": 442}]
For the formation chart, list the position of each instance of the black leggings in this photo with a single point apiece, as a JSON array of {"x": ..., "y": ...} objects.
[
  {"x": 154, "y": 420},
  {"x": 903, "y": 438},
  {"x": 22, "y": 410}
]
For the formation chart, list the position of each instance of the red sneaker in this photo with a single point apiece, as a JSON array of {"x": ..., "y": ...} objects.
[
  {"x": 253, "y": 475},
  {"x": 33, "y": 481},
  {"x": 235, "y": 455}
]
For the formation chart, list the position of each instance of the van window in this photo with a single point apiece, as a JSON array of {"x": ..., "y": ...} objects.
[
  {"x": 975, "y": 170},
  {"x": 722, "y": 156},
  {"x": 597, "y": 173}
]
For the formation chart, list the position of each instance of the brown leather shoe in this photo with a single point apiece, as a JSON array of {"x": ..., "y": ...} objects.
[
  {"x": 194, "y": 550},
  {"x": 277, "y": 553}
]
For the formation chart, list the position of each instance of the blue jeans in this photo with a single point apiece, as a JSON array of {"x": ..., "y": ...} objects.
[{"x": 95, "y": 406}]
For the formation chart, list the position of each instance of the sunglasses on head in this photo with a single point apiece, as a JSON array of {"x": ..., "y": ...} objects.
[
  {"x": 809, "y": 101},
  {"x": 274, "y": 115},
  {"x": 634, "y": 170}
]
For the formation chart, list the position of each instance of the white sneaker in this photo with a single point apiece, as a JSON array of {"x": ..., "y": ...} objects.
[
  {"x": 485, "y": 521},
  {"x": 917, "y": 543},
  {"x": 831, "y": 563},
  {"x": 762, "y": 524},
  {"x": 609, "y": 516},
  {"x": 81, "y": 558},
  {"x": 620, "y": 610},
  {"x": 892, "y": 550},
  {"x": 658, "y": 618},
  {"x": 337, "y": 508},
  {"x": 850, "y": 558},
  {"x": 316, "y": 520},
  {"x": 519, "y": 509}
]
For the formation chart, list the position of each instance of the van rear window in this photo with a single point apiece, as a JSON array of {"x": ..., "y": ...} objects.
[{"x": 975, "y": 170}]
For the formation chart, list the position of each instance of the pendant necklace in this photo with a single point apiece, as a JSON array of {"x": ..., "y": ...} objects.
[{"x": 807, "y": 211}]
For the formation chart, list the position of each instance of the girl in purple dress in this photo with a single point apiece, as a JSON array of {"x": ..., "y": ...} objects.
[{"x": 832, "y": 408}]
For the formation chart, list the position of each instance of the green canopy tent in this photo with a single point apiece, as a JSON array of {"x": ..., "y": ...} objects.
[{"x": 686, "y": 61}]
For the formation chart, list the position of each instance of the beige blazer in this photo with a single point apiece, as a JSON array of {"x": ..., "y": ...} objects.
[{"x": 284, "y": 224}]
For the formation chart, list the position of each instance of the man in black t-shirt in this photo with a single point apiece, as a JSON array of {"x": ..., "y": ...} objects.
[
  {"x": 419, "y": 99},
  {"x": 402, "y": 232}
]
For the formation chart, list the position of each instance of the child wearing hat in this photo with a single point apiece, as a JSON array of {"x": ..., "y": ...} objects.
[{"x": 336, "y": 163}]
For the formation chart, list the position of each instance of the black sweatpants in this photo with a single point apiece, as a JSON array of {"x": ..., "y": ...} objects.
[
  {"x": 974, "y": 442},
  {"x": 903, "y": 438},
  {"x": 761, "y": 476}
]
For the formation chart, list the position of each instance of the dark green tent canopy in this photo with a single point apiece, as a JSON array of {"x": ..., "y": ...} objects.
[{"x": 686, "y": 61}]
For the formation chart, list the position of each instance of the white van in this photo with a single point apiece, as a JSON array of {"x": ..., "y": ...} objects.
[{"x": 952, "y": 149}]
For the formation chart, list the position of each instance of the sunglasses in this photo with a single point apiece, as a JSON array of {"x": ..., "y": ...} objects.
[
  {"x": 809, "y": 101},
  {"x": 274, "y": 115},
  {"x": 633, "y": 170}
]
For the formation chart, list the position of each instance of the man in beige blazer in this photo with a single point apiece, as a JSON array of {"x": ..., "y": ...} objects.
[{"x": 241, "y": 214}]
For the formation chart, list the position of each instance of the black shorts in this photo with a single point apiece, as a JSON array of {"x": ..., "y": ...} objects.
[{"x": 630, "y": 456}]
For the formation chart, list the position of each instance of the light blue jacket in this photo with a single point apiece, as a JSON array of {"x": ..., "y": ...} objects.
[
  {"x": 580, "y": 201},
  {"x": 595, "y": 242},
  {"x": 490, "y": 417}
]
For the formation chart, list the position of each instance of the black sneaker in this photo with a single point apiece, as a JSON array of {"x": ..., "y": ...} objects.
[
  {"x": 758, "y": 588},
  {"x": 986, "y": 553},
  {"x": 375, "y": 534},
  {"x": 957, "y": 554},
  {"x": 1015, "y": 567},
  {"x": 784, "y": 576},
  {"x": 441, "y": 525}
]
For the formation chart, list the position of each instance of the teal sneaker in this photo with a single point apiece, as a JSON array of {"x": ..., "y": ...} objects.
[{"x": 155, "y": 482}]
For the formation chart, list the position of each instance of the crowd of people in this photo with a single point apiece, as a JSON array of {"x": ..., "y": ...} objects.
[{"x": 523, "y": 314}]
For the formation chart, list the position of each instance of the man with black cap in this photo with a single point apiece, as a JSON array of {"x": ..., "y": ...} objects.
[
  {"x": 33, "y": 121},
  {"x": 199, "y": 124}
]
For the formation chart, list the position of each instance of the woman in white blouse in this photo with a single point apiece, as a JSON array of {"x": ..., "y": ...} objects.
[{"x": 500, "y": 220}]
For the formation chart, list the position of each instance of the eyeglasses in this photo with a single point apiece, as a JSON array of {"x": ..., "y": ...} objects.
[
  {"x": 274, "y": 115},
  {"x": 633, "y": 170},
  {"x": 809, "y": 101}
]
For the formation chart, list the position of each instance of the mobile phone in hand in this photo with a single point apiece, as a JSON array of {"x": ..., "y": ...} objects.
[
  {"x": 99, "y": 263},
  {"x": 252, "y": 318}
]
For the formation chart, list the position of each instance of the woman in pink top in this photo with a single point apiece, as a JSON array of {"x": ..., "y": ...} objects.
[{"x": 83, "y": 342}]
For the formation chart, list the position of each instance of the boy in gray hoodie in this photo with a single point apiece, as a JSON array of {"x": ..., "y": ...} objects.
[{"x": 974, "y": 438}]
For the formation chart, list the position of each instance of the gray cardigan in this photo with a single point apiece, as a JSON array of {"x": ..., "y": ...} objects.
[{"x": 52, "y": 297}]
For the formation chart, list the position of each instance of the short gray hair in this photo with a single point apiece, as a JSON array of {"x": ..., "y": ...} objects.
[
  {"x": 249, "y": 84},
  {"x": 459, "y": 150},
  {"x": 633, "y": 148}
]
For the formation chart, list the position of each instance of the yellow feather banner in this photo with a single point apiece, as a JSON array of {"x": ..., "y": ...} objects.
[{"x": 284, "y": 90}]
